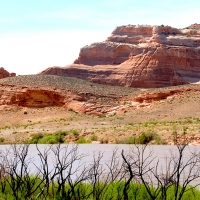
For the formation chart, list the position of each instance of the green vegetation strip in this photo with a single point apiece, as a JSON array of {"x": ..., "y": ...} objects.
[
  {"x": 129, "y": 175},
  {"x": 86, "y": 191}
]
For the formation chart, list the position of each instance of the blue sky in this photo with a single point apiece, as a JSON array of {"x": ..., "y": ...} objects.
[{"x": 37, "y": 34}]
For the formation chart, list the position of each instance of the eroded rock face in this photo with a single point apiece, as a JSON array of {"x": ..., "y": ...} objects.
[
  {"x": 4, "y": 73},
  {"x": 38, "y": 97},
  {"x": 140, "y": 56}
]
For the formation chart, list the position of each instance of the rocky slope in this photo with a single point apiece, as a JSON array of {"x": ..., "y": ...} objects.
[
  {"x": 45, "y": 104},
  {"x": 140, "y": 56},
  {"x": 39, "y": 91}
]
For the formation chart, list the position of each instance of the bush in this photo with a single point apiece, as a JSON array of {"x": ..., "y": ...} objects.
[
  {"x": 35, "y": 139},
  {"x": 131, "y": 124},
  {"x": 75, "y": 132},
  {"x": 102, "y": 116},
  {"x": 145, "y": 138},
  {"x": 104, "y": 141},
  {"x": 94, "y": 138},
  {"x": 82, "y": 140},
  {"x": 129, "y": 140},
  {"x": 57, "y": 137},
  {"x": 50, "y": 139},
  {"x": 62, "y": 133},
  {"x": 2, "y": 140}
]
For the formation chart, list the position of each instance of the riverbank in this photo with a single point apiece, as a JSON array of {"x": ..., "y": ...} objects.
[
  {"x": 19, "y": 125},
  {"x": 99, "y": 172},
  {"x": 113, "y": 114}
]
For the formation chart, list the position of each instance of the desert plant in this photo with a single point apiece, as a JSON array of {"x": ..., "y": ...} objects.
[
  {"x": 185, "y": 130},
  {"x": 129, "y": 140},
  {"x": 2, "y": 139},
  {"x": 51, "y": 139},
  {"x": 103, "y": 141},
  {"x": 35, "y": 139},
  {"x": 62, "y": 133},
  {"x": 145, "y": 138},
  {"x": 175, "y": 136},
  {"x": 94, "y": 138},
  {"x": 75, "y": 132},
  {"x": 82, "y": 140},
  {"x": 55, "y": 138}
]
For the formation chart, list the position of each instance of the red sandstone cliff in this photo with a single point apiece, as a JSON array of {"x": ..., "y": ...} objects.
[
  {"x": 4, "y": 73},
  {"x": 140, "y": 56}
]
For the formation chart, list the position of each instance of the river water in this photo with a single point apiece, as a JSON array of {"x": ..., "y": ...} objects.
[{"x": 154, "y": 154}]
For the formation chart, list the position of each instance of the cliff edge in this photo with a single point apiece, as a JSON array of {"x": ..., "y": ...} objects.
[{"x": 140, "y": 56}]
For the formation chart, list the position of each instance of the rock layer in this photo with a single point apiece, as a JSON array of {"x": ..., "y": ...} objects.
[
  {"x": 15, "y": 95},
  {"x": 37, "y": 97},
  {"x": 4, "y": 73},
  {"x": 140, "y": 56}
]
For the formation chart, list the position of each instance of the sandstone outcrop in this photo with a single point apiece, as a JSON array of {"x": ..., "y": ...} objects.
[
  {"x": 38, "y": 91},
  {"x": 150, "y": 97},
  {"x": 140, "y": 56},
  {"x": 37, "y": 97},
  {"x": 4, "y": 73}
]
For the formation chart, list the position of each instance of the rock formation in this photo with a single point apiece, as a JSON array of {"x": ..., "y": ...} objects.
[
  {"x": 38, "y": 97},
  {"x": 140, "y": 56},
  {"x": 4, "y": 73}
]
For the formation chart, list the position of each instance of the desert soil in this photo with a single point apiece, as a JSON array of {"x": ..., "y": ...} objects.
[{"x": 164, "y": 117}]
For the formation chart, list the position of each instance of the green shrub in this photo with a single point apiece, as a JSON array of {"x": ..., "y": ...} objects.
[
  {"x": 145, "y": 138},
  {"x": 57, "y": 137},
  {"x": 35, "y": 139},
  {"x": 51, "y": 139},
  {"x": 102, "y": 116},
  {"x": 129, "y": 140},
  {"x": 197, "y": 120},
  {"x": 63, "y": 119},
  {"x": 62, "y": 133},
  {"x": 185, "y": 130},
  {"x": 75, "y": 132},
  {"x": 94, "y": 138},
  {"x": 131, "y": 123},
  {"x": 2, "y": 139},
  {"x": 6, "y": 127},
  {"x": 82, "y": 140},
  {"x": 113, "y": 190}
]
